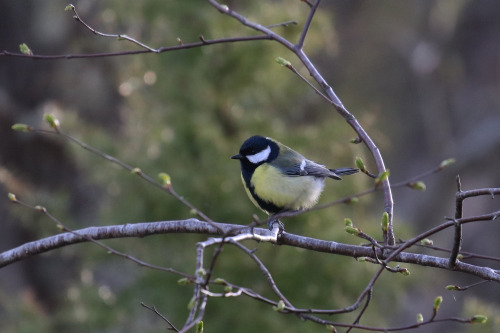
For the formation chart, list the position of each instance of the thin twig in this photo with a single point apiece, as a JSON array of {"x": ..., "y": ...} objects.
[
  {"x": 458, "y": 288},
  {"x": 362, "y": 311},
  {"x": 183, "y": 46},
  {"x": 282, "y": 24},
  {"x": 457, "y": 242},
  {"x": 153, "y": 308},
  {"x": 305, "y": 29},
  {"x": 169, "y": 189},
  {"x": 119, "y": 37}
]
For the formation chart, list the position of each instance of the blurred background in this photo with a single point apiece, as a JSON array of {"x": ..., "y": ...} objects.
[{"x": 421, "y": 76}]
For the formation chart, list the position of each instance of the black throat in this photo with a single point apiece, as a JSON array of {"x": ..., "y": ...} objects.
[
  {"x": 247, "y": 171},
  {"x": 248, "y": 168}
]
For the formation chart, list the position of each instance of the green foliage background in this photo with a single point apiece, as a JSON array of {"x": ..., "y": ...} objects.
[{"x": 185, "y": 113}]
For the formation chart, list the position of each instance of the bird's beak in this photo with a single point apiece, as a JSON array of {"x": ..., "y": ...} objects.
[{"x": 237, "y": 157}]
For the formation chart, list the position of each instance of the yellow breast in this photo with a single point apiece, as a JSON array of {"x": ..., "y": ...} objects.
[{"x": 293, "y": 193}]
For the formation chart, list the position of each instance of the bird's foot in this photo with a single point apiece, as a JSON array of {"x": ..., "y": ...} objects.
[{"x": 276, "y": 223}]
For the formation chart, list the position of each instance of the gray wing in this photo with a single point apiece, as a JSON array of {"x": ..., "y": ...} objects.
[
  {"x": 294, "y": 164},
  {"x": 310, "y": 168}
]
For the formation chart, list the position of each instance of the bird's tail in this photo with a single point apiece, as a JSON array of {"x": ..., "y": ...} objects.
[{"x": 344, "y": 171}]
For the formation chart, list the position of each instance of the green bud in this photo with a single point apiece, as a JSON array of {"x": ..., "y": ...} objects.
[
  {"x": 405, "y": 272},
  {"x": 356, "y": 140},
  {"x": 446, "y": 163},
  {"x": 199, "y": 327},
  {"x": 362, "y": 259},
  {"x": 24, "y": 48},
  {"x": 353, "y": 200},
  {"x": 426, "y": 242},
  {"x": 437, "y": 302},
  {"x": 41, "y": 208},
  {"x": 360, "y": 164},
  {"x": 69, "y": 8},
  {"x": 385, "y": 221},
  {"x": 283, "y": 62},
  {"x": 280, "y": 306},
  {"x": 184, "y": 282},
  {"x": 201, "y": 272},
  {"x": 21, "y": 127},
  {"x": 460, "y": 256},
  {"x": 164, "y": 179},
  {"x": 220, "y": 281},
  {"x": 136, "y": 171},
  {"x": 420, "y": 318},
  {"x": 352, "y": 230},
  {"x": 419, "y": 186},
  {"x": 383, "y": 176},
  {"x": 330, "y": 328},
  {"x": 52, "y": 121},
  {"x": 225, "y": 8},
  {"x": 479, "y": 319},
  {"x": 191, "y": 303},
  {"x": 228, "y": 289},
  {"x": 12, "y": 197},
  {"x": 451, "y": 287},
  {"x": 348, "y": 222}
]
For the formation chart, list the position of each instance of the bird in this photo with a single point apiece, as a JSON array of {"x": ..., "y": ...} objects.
[{"x": 278, "y": 179}]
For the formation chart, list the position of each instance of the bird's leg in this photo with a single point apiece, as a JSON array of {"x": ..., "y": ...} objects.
[{"x": 276, "y": 223}]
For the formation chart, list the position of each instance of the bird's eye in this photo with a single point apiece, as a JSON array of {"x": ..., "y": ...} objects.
[{"x": 249, "y": 152}]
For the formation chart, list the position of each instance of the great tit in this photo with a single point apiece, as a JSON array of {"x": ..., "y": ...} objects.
[{"x": 278, "y": 179}]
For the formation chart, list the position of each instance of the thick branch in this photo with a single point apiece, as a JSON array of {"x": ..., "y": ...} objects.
[{"x": 196, "y": 226}]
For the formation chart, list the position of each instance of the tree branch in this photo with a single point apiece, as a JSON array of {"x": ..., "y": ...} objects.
[{"x": 195, "y": 226}]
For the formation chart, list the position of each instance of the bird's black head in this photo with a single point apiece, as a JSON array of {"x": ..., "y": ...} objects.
[{"x": 257, "y": 150}]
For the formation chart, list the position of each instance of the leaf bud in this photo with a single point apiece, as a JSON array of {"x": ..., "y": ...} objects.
[
  {"x": 165, "y": 179},
  {"x": 426, "y": 242},
  {"x": 383, "y": 176},
  {"x": 184, "y": 282},
  {"x": 385, "y": 221},
  {"x": 437, "y": 302},
  {"x": 199, "y": 327},
  {"x": 360, "y": 164},
  {"x": 24, "y": 48},
  {"x": 419, "y": 186},
  {"x": 479, "y": 319},
  {"x": 283, "y": 62},
  {"x": 12, "y": 197},
  {"x": 52, "y": 121},
  {"x": 446, "y": 163},
  {"x": 21, "y": 127},
  {"x": 280, "y": 306},
  {"x": 352, "y": 230}
]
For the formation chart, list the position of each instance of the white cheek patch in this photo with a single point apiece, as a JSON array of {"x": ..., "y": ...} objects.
[{"x": 260, "y": 156}]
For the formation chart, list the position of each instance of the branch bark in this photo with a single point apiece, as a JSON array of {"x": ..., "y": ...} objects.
[{"x": 194, "y": 226}]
